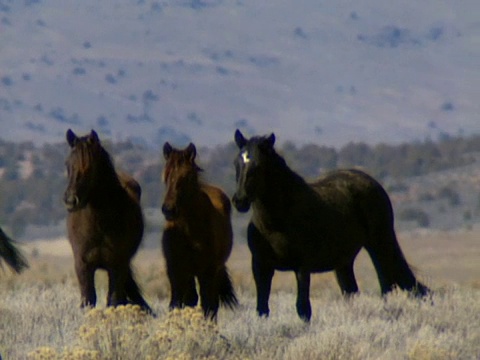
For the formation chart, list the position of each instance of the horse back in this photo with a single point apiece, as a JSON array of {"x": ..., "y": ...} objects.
[
  {"x": 218, "y": 198},
  {"x": 131, "y": 185},
  {"x": 351, "y": 184},
  {"x": 357, "y": 194},
  {"x": 220, "y": 219}
]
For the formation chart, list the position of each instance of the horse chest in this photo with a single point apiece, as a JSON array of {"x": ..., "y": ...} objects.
[
  {"x": 292, "y": 244},
  {"x": 93, "y": 228},
  {"x": 280, "y": 245},
  {"x": 278, "y": 241}
]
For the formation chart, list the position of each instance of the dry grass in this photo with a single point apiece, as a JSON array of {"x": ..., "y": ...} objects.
[
  {"x": 126, "y": 332},
  {"x": 40, "y": 317}
]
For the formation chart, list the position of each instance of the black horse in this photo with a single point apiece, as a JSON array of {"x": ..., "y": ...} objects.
[
  {"x": 11, "y": 254},
  {"x": 308, "y": 228}
]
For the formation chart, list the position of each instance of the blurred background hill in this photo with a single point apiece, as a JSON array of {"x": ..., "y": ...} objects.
[
  {"x": 388, "y": 87},
  {"x": 194, "y": 70}
]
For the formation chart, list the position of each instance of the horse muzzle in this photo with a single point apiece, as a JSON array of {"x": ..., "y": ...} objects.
[{"x": 242, "y": 204}]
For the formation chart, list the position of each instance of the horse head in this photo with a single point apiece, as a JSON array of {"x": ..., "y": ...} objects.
[
  {"x": 180, "y": 176},
  {"x": 85, "y": 153},
  {"x": 250, "y": 166}
]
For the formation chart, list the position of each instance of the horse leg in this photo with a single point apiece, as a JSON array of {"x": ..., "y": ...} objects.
[
  {"x": 86, "y": 280},
  {"x": 304, "y": 309},
  {"x": 190, "y": 297},
  {"x": 182, "y": 287},
  {"x": 175, "y": 292},
  {"x": 261, "y": 268},
  {"x": 209, "y": 296},
  {"x": 117, "y": 293},
  {"x": 262, "y": 274},
  {"x": 346, "y": 279},
  {"x": 180, "y": 268}
]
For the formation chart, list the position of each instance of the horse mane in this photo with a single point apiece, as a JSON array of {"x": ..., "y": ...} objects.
[
  {"x": 279, "y": 165},
  {"x": 279, "y": 160},
  {"x": 275, "y": 158},
  {"x": 87, "y": 153}
]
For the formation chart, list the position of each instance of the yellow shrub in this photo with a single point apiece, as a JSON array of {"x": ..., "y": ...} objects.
[
  {"x": 43, "y": 353},
  {"x": 424, "y": 351},
  {"x": 128, "y": 332},
  {"x": 47, "y": 353},
  {"x": 80, "y": 354}
]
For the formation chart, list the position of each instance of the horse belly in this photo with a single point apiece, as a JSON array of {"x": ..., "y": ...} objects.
[
  {"x": 284, "y": 255},
  {"x": 287, "y": 258},
  {"x": 322, "y": 249},
  {"x": 331, "y": 253}
]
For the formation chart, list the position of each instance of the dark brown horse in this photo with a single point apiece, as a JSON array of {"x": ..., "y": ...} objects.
[
  {"x": 11, "y": 254},
  {"x": 317, "y": 227},
  {"x": 197, "y": 239},
  {"x": 105, "y": 221}
]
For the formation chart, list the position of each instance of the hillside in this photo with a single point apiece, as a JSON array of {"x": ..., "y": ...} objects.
[
  {"x": 432, "y": 185},
  {"x": 321, "y": 72}
]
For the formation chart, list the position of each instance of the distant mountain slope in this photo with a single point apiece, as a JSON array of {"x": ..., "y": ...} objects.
[{"x": 312, "y": 71}]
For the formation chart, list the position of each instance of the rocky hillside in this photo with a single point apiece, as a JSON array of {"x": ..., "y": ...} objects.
[{"x": 432, "y": 184}]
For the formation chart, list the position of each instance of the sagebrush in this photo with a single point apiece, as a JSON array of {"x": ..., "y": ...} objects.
[{"x": 40, "y": 317}]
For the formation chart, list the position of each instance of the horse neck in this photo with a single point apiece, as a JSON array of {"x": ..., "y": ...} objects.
[
  {"x": 281, "y": 182},
  {"x": 196, "y": 197},
  {"x": 194, "y": 213},
  {"x": 107, "y": 185}
]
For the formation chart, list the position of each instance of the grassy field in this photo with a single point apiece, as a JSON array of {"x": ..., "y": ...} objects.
[{"x": 40, "y": 317}]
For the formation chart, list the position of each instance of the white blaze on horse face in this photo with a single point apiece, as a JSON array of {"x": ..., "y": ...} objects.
[{"x": 245, "y": 157}]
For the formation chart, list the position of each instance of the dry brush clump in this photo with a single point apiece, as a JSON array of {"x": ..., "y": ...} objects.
[{"x": 127, "y": 332}]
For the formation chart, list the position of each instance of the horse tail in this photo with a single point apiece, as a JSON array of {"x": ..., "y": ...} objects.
[
  {"x": 226, "y": 292},
  {"x": 391, "y": 266},
  {"x": 12, "y": 256},
  {"x": 135, "y": 294}
]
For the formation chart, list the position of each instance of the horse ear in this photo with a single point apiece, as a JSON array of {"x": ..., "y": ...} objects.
[
  {"x": 271, "y": 139},
  {"x": 71, "y": 138},
  {"x": 191, "y": 152},
  {"x": 94, "y": 137},
  {"x": 167, "y": 150},
  {"x": 240, "y": 139}
]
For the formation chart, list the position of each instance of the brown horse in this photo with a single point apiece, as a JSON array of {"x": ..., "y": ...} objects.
[
  {"x": 105, "y": 221},
  {"x": 197, "y": 239},
  {"x": 12, "y": 256}
]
